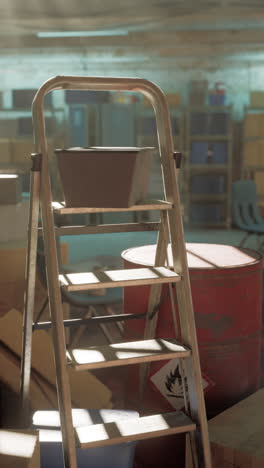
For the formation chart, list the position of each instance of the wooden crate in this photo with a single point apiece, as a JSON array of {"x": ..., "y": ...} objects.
[{"x": 236, "y": 435}]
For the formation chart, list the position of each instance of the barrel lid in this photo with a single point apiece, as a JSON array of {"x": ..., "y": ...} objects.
[
  {"x": 210, "y": 256},
  {"x": 103, "y": 149}
]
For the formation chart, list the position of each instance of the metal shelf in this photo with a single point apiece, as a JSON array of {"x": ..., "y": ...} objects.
[
  {"x": 208, "y": 197},
  {"x": 208, "y": 169},
  {"x": 209, "y": 109},
  {"x": 253, "y": 138},
  {"x": 209, "y": 137}
]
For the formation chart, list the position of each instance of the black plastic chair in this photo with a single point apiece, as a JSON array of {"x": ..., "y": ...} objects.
[{"x": 82, "y": 300}]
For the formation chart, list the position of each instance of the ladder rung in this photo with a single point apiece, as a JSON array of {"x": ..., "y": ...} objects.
[
  {"x": 104, "y": 228},
  {"x": 91, "y": 321},
  {"x": 120, "y": 354},
  {"x": 145, "y": 205},
  {"x": 127, "y": 430},
  {"x": 117, "y": 278}
]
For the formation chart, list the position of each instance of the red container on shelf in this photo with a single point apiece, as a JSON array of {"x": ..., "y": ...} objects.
[{"x": 226, "y": 285}]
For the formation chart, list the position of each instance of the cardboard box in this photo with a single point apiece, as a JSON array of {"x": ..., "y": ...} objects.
[
  {"x": 257, "y": 99},
  {"x": 12, "y": 277},
  {"x": 10, "y": 189},
  {"x": 253, "y": 125},
  {"x": 261, "y": 153},
  {"x": 14, "y": 221},
  {"x": 87, "y": 390},
  {"x": 21, "y": 152},
  {"x": 173, "y": 99},
  {"x": 42, "y": 395},
  {"x": 5, "y": 150},
  {"x": 252, "y": 153},
  {"x": 236, "y": 435},
  {"x": 19, "y": 449}
]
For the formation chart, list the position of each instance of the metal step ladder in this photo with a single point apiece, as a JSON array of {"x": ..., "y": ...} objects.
[{"x": 193, "y": 419}]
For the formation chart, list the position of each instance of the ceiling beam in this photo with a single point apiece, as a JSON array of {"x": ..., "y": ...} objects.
[{"x": 164, "y": 40}]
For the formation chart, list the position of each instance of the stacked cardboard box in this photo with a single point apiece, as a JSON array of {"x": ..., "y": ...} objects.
[
  {"x": 236, "y": 435},
  {"x": 173, "y": 100},
  {"x": 254, "y": 143},
  {"x": 254, "y": 148},
  {"x": 87, "y": 391},
  {"x": 257, "y": 99},
  {"x": 254, "y": 125}
]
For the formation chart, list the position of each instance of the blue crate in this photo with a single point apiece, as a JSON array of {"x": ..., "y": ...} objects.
[
  {"x": 199, "y": 152},
  {"x": 209, "y": 123},
  {"x": 199, "y": 123},
  {"x": 113, "y": 456},
  {"x": 218, "y": 123},
  {"x": 208, "y": 184},
  {"x": 203, "y": 152},
  {"x": 207, "y": 212},
  {"x": 220, "y": 152},
  {"x": 215, "y": 99}
]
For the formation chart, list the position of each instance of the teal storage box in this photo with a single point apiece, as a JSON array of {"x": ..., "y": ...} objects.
[{"x": 113, "y": 456}]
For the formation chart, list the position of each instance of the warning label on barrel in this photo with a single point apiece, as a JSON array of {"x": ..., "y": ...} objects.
[{"x": 170, "y": 382}]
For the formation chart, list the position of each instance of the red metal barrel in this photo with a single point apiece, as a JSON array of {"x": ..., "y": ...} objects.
[{"x": 226, "y": 287}]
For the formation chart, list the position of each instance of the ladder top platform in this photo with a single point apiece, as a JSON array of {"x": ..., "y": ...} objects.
[{"x": 145, "y": 205}]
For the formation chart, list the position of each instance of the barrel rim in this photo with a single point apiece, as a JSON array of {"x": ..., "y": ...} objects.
[{"x": 257, "y": 257}]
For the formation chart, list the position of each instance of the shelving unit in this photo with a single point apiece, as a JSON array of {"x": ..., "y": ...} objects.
[
  {"x": 208, "y": 166},
  {"x": 253, "y": 148},
  {"x": 147, "y": 136},
  {"x": 16, "y": 138}
]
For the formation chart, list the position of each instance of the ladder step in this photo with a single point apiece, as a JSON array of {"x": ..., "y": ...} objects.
[
  {"x": 120, "y": 354},
  {"x": 117, "y": 278},
  {"x": 145, "y": 205},
  {"x": 127, "y": 430}
]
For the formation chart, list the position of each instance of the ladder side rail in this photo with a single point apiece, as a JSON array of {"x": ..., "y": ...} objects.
[
  {"x": 188, "y": 333},
  {"x": 187, "y": 319},
  {"x": 29, "y": 299},
  {"x": 56, "y": 310}
]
